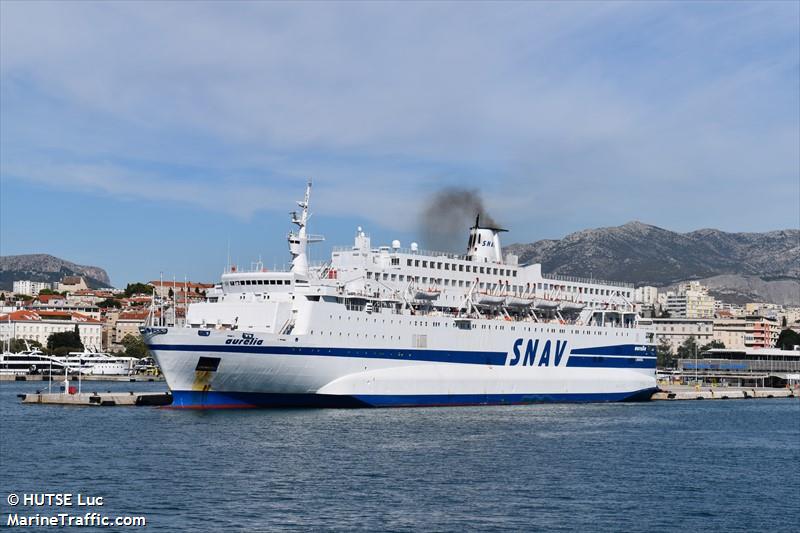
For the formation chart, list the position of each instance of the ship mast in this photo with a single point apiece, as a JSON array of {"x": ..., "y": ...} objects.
[{"x": 298, "y": 242}]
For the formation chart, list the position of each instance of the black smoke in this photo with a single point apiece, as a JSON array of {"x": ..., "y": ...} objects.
[{"x": 447, "y": 217}]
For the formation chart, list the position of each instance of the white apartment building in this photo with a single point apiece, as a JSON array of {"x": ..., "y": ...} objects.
[
  {"x": 691, "y": 301},
  {"x": 39, "y": 325},
  {"x": 646, "y": 295},
  {"x": 677, "y": 330},
  {"x": 30, "y": 288}
]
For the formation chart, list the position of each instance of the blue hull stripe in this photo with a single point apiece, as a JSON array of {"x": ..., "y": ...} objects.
[
  {"x": 239, "y": 400},
  {"x": 598, "y": 361},
  {"x": 436, "y": 356},
  {"x": 618, "y": 349}
]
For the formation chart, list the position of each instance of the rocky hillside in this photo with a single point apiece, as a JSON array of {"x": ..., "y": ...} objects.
[
  {"x": 43, "y": 267},
  {"x": 739, "y": 265}
]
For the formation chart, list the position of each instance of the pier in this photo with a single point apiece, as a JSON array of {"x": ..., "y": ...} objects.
[
  {"x": 99, "y": 399},
  {"x": 60, "y": 377},
  {"x": 687, "y": 392}
]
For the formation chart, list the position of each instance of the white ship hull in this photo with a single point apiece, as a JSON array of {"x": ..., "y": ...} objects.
[{"x": 210, "y": 372}]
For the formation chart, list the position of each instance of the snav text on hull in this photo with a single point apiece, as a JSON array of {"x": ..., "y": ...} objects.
[{"x": 391, "y": 326}]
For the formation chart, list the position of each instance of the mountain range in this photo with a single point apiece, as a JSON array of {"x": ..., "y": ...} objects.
[
  {"x": 44, "y": 267},
  {"x": 737, "y": 267}
]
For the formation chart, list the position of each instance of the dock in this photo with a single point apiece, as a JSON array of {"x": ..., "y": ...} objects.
[
  {"x": 685, "y": 392},
  {"x": 60, "y": 377},
  {"x": 99, "y": 399}
]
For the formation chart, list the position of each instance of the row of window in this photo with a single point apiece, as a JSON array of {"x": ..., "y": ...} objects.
[
  {"x": 239, "y": 282},
  {"x": 500, "y": 327},
  {"x": 458, "y": 267},
  {"x": 385, "y": 276},
  {"x": 44, "y": 329}
]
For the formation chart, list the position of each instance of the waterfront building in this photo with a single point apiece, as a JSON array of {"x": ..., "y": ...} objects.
[
  {"x": 728, "y": 310},
  {"x": 748, "y": 332},
  {"x": 646, "y": 295},
  {"x": 677, "y": 330},
  {"x": 90, "y": 296},
  {"x": 128, "y": 323},
  {"x": 765, "y": 332},
  {"x": 179, "y": 287},
  {"x": 747, "y": 367},
  {"x": 30, "y": 288},
  {"x": 51, "y": 299},
  {"x": 66, "y": 307},
  {"x": 691, "y": 301},
  {"x": 72, "y": 284},
  {"x": 39, "y": 325}
]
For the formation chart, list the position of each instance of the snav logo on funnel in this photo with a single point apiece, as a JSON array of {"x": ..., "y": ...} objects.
[{"x": 551, "y": 354}]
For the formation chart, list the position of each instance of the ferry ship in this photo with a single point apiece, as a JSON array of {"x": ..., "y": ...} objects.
[{"x": 389, "y": 326}]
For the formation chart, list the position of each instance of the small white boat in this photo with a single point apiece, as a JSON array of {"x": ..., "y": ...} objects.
[
  {"x": 98, "y": 364},
  {"x": 571, "y": 306},
  {"x": 427, "y": 294},
  {"x": 484, "y": 298},
  {"x": 28, "y": 362},
  {"x": 518, "y": 301},
  {"x": 541, "y": 303}
]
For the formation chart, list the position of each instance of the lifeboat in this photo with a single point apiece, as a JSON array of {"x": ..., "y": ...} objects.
[
  {"x": 484, "y": 298},
  {"x": 518, "y": 301},
  {"x": 541, "y": 303},
  {"x": 426, "y": 294},
  {"x": 571, "y": 306}
]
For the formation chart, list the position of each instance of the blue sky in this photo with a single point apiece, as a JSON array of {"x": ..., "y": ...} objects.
[{"x": 143, "y": 137}]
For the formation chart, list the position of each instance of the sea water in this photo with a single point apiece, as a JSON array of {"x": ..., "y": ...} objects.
[{"x": 728, "y": 465}]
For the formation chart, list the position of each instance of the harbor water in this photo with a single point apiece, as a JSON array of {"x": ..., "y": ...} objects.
[{"x": 728, "y": 465}]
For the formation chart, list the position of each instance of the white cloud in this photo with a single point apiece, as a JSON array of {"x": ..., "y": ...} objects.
[{"x": 569, "y": 107}]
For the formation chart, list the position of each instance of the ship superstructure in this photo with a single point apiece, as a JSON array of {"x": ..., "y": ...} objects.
[{"x": 394, "y": 326}]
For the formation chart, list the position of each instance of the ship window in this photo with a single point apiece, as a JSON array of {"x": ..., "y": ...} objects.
[
  {"x": 416, "y": 262},
  {"x": 425, "y": 264},
  {"x": 461, "y": 268},
  {"x": 369, "y": 275},
  {"x": 408, "y": 262},
  {"x": 494, "y": 271},
  {"x": 438, "y": 265}
]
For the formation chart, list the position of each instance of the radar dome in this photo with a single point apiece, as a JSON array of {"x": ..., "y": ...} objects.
[
  {"x": 396, "y": 244},
  {"x": 414, "y": 247}
]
